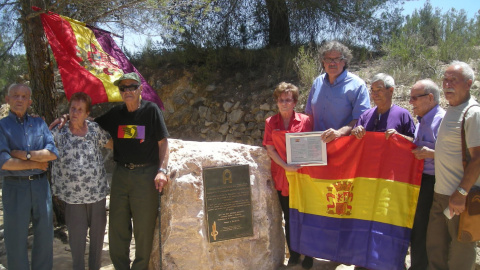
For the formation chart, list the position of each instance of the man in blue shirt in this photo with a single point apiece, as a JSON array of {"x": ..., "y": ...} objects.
[
  {"x": 424, "y": 97},
  {"x": 338, "y": 97},
  {"x": 26, "y": 147}
]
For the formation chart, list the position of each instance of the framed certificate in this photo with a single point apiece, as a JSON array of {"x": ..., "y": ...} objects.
[{"x": 306, "y": 149}]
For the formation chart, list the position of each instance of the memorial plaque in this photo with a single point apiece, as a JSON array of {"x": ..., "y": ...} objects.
[{"x": 228, "y": 202}]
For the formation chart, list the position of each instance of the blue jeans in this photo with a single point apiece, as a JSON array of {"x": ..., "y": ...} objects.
[{"x": 25, "y": 200}]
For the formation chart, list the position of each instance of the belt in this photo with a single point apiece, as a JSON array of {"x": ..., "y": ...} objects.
[
  {"x": 132, "y": 166},
  {"x": 28, "y": 177}
]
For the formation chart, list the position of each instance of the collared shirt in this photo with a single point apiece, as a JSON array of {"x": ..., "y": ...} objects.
[
  {"x": 298, "y": 123},
  {"x": 30, "y": 135},
  {"x": 335, "y": 105},
  {"x": 396, "y": 118},
  {"x": 426, "y": 134}
]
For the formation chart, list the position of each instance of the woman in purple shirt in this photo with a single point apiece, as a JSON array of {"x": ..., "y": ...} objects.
[{"x": 386, "y": 116}]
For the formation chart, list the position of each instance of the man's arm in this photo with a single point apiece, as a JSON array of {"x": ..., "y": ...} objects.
[
  {"x": 161, "y": 178},
  {"x": 331, "y": 134},
  {"x": 15, "y": 164},
  {"x": 423, "y": 152},
  {"x": 392, "y": 131},
  {"x": 470, "y": 176},
  {"x": 37, "y": 155}
]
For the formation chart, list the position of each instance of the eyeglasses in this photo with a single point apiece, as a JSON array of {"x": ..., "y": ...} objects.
[
  {"x": 333, "y": 60},
  {"x": 288, "y": 100},
  {"x": 131, "y": 87},
  {"x": 414, "y": 98},
  {"x": 376, "y": 91}
]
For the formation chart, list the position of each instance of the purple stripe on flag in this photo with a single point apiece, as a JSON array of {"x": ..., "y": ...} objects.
[
  {"x": 110, "y": 47},
  {"x": 370, "y": 244}
]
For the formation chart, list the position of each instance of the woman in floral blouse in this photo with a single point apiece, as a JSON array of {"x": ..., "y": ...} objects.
[{"x": 79, "y": 179}]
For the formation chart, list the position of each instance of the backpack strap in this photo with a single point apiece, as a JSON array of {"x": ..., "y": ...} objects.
[{"x": 465, "y": 153}]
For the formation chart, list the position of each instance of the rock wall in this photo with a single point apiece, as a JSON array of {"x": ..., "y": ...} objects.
[
  {"x": 215, "y": 112},
  {"x": 184, "y": 234}
]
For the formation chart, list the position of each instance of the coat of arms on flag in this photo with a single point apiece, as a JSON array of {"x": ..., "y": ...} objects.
[{"x": 358, "y": 209}]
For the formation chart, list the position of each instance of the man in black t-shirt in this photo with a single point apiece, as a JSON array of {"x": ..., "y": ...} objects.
[{"x": 140, "y": 149}]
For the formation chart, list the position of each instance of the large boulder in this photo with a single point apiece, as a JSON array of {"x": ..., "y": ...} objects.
[{"x": 184, "y": 231}]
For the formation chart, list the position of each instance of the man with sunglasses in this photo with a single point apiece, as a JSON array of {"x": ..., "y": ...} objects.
[
  {"x": 386, "y": 116},
  {"x": 140, "y": 150},
  {"x": 337, "y": 98},
  {"x": 424, "y": 98}
]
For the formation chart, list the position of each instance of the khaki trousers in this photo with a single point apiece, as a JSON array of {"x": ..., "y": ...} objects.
[{"x": 443, "y": 249}]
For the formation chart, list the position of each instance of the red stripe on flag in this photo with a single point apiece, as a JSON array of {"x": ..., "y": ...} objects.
[
  {"x": 341, "y": 156},
  {"x": 75, "y": 77}
]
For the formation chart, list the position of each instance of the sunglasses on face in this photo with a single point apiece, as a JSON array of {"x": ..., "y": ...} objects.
[{"x": 131, "y": 87}]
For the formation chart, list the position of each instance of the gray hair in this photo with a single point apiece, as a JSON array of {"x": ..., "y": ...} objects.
[
  {"x": 431, "y": 87},
  {"x": 467, "y": 71},
  {"x": 385, "y": 78},
  {"x": 18, "y": 85},
  {"x": 338, "y": 47}
]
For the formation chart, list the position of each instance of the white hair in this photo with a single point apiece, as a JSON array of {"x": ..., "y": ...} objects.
[
  {"x": 18, "y": 85},
  {"x": 385, "y": 78}
]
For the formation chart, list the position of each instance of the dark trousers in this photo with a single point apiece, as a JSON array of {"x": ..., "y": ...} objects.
[
  {"x": 418, "y": 239},
  {"x": 24, "y": 201},
  {"x": 133, "y": 206},
  {"x": 284, "y": 203},
  {"x": 80, "y": 217}
]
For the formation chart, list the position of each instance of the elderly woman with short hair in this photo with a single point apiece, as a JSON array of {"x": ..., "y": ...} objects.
[
  {"x": 286, "y": 97},
  {"x": 79, "y": 179}
]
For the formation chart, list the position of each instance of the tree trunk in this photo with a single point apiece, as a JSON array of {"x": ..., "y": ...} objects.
[
  {"x": 279, "y": 28},
  {"x": 42, "y": 79},
  {"x": 40, "y": 66}
]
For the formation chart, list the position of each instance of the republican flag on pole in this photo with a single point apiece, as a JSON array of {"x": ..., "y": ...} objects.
[
  {"x": 89, "y": 60},
  {"x": 359, "y": 209}
]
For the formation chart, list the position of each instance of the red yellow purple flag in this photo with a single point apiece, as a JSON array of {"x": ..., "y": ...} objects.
[
  {"x": 359, "y": 209},
  {"x": 89, "y": 60}
]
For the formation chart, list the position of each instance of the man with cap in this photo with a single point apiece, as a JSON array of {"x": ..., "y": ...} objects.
[{"x": 140, "y": 150}]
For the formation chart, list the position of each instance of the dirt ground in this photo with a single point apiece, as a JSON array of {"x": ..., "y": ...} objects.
[{"x": 62, "y": 258}]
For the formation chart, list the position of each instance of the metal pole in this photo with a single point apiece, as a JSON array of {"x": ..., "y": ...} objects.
[{"x": 160, "y": 227}]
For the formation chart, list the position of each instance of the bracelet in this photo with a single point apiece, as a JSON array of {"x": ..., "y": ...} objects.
[
  {"x": 162, "y": 170},
  {"x": 462, "y": 191}
]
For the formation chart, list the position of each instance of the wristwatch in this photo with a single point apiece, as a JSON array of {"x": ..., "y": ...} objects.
[
  {"x": 163, "y": 170},
  {"x": 462, "y": 191},
  {"x": 29, "y": 156}
]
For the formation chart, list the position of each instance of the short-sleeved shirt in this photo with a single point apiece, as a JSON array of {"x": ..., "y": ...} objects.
[
  {"x": 426, "y": 134},
  {"x": 298, "y": 123},
  {"x": 336, "y": 105},
  {"x": 135, "y": 134},
  {"x": 31, "y": 134},
  {"x": 396, "y": 118},
  {"x": 448, "y": 149},
  {"x": 78, "y": 176}
]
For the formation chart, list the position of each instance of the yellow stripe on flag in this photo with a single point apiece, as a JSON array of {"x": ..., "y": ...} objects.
[
  {"x": 373, "y": 199},
  {"x": 85, "y": 37}
]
